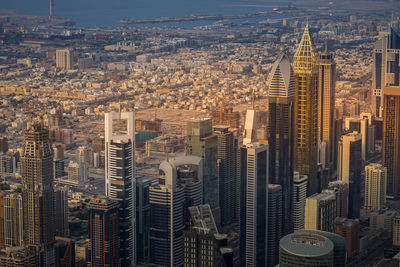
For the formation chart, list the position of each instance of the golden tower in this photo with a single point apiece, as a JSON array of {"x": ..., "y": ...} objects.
[{"x": 305, "y": 66}]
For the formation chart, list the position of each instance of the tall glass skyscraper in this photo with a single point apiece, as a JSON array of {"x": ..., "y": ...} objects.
[
  {"x": 305, "y": 66},
  {"x": 386, "y": 68},
  {"x": 179, "y": 187},
  {"x": 274, "y": 233},
  {"x": 326, "y": 104},
  {"x": 120, "y": 178},
  {"x": 226, "y": 163},
  {"x": 143, "y": 216},
  {"x": 349, "y": 169},
  {"x": 253, "y": 204},
  {"x": 281, "y": 96},
  {"x": 391, "y": 139},
  {"x": 201, "y": 142}
]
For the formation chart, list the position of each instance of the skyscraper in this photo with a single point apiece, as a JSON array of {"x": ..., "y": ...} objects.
[
  {"x": 250, "y": 127},
  {"x": 350, "y": 230},
  {"x": 253, "y": 204},
  {"x": 120, "y": 178},
  {"x": 38, "y": 193},
  {"x": 375, "y": 187},
  {"x": 65, "y": 252},
  {"x": 143, "y": 216},
  {"x": 167, "y": 199},
  {"x": 13, "y": 220},
  {"x": 203, "y": 245},
  {"x": 396, "y": 232},
  {"x": 281, "y": 96},
  {"x": 385, "y": 71},
  {"x": 2, "y": 195},
  {"x": 326, "y": 103},
  {"x": 64, "y": 59},
  {"x": 85, "y": 155},
  {"x": 299, "y": 200},
  {"x": 349, "y": 169},
  {"x": 391, "y": 139},
  {"x": 338, "y": 134},
  {"x": 360, "y": 125},
  {"x": 341, "y": 190},
  {"x": 226, "y": 163},
  {"x": 321, "y": 211},
  {"x": 305, "y": 66},
  {"x": 104, "y": 245},
  {"x": 189, "y": 174},
  {"x": 61, "y": 211},
  {"x": 78, "y": 173},
  {"x": 274, "y": 232},
  {"x": 203, "y": 143}
]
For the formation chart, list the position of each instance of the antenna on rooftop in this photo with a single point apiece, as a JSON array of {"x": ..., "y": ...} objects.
[
  {"x": 253, "y": 102},
  {"x": 326, "y": 45},
  {"x": 221, "y": 113},
  {"x": 43, "y": 113},
  {"x": 41, "y": 121},
  {"x": 30, "y": 116},
  {"x": 30, "y": 112}
]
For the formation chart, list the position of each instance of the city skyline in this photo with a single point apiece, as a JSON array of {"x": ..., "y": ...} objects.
[{"x": 223, "y": 134}]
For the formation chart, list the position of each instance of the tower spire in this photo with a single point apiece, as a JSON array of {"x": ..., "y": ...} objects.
[
  {"x": 306, "y": 53},
  {"x": 30, "y": 116},
  {"x": 253, "y": 102},
  {"x": 326, "y": 45}
]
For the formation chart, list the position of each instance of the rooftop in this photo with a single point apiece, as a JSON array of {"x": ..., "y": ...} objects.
[{"x": 306, "y": 244}]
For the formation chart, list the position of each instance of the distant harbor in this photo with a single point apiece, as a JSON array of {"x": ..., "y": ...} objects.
[{"x": 194, "y": 18}]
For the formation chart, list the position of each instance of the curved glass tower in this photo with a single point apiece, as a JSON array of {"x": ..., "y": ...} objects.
[{"x": 281, "y": 96}]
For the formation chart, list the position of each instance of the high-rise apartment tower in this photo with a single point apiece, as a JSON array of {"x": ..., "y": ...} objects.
[
  {"x": 120, "y": 178},
  {"x": 38, "y": 193},
  {"x": 375, "y": 187},
  {"x": 104, "y": 245}
]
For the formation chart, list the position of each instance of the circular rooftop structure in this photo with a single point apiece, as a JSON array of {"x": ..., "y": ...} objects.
[{"x": 306, "y": 249}]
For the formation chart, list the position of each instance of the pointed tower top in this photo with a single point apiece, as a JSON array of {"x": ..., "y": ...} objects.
[
  {"x": 281, "y": 78},
  {"x": 306, "y": 53}
]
